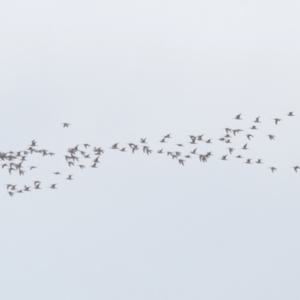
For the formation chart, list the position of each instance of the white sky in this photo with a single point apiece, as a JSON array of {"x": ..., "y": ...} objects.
[{"x": 144, "y": 227}]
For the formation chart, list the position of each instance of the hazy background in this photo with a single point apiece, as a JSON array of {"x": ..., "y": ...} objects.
[{"x": 145, "y": 227}]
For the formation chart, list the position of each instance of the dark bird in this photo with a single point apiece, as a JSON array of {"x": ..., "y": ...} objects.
[
  {"x": 228, "y": 130},
  {"x": 259, "y": 161},
  {"x": 181, "y": 161},
  {"x": 296, "y": 168},
  {"x": 114, "y": 146},
  {"x": 86, "y": 145},
  {"x": 179, "y": 145},
  {"x": 53, "y": 186},
  {"x": 32, "y": 167},
  {"x": 160, "y": 151},
  {"x": 257, "y": 120},
  {"x": 273, "y": 169},
  {"x": 143, "y": 141},
  {"x": 277, "y": 120},
  {"x": 291, "y": 114},
  {"x": 81, "y": 166},
  {"x": 253, "y": 128},
  {"x": 249, "y": 136},
  {"x": 194, "y": 151},
  {"x": 123, "y": 149},
  {"x": 33, "y": 143},
  {"x": 69, "y": 177},
  {"x": 238, "y": 117},
  {"x": 245, "y": 147},
  {"x": 230, "y": 150},
  {"x": 208, "y": 141},
  {"x": 56, "y": 173},
  {"x": 224, "y": 157},
  {"x": 271, "y": 137},
  {"x": 248, "y": 161},
  {"x": 66, "y": 125},
  {"x": 11, "y": 194}
]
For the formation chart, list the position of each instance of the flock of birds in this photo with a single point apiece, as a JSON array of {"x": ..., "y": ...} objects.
[{"x": 14, "y": 162}]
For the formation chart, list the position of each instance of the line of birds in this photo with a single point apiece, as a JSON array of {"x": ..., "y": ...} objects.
[{"x": 13, "y": 161}]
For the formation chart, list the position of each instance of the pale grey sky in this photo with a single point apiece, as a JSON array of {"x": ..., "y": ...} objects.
[{"x": 144, "y": 227}]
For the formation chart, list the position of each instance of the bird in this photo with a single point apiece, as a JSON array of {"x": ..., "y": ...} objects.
[
  {"x": 271, "y": 137},
  {"x": 245, "y": 147},
  {"x": 56, "y": 173},
  {"x": 181, "y": 161},
  {"x": 277, "y": 120},
  {"x": 66, "y": 125},
  {"x": 114, "y": 146},
  {"x": 257, "y": 120},
  {"x": 248, "y": 161},
  {"x": 273, "y": 169},
  {"x": 53, "y": 186},
  {"x": 296, "y": 168},
  {"x": 291, "y": 114},
  {"x": 230, "y": 150},
  {"x": 249, "y": 136},
  {"x": 224, "y": 157},
  {"x": 238, "y": 117},
  {"x": 69, "y": 177}
]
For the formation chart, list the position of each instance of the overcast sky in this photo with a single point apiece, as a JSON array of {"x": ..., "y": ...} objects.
[{"x": 145, "y": 227}]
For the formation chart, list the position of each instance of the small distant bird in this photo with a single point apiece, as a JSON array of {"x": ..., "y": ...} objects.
[
  {"x": 179, "y": 145},
  {"x": 69, "y": 177},
  {"x": 11, "y": 194},
  {"x": 257, "y": 120},
  {"x": 56, "y": 173},
  {"x": 160, "y": 151},
  {"x": 253, "y": 128},
  {"x": 81, "y": 166},
  {"x": 208, "y": 141},
  {"x": 291, "y": 114},
  {"x": 230, "y": 150},
  {"x": 248, "y": 161},
  {"x": 259, "y": 161},
  {"x": 238, "y": 117},
  {"x": 86, "y": 145},
  {"x": 181, "y": 161},
  {"x": 194, "y": 151},
  {"x": 123, "y": 149},
  {"x": 296, "y": 168},
  {"x": 271, "y": 137},
  {"x": 277, "y": 120},
  {"x": 66, "y": 125},
  {"x": 114, "y": 146},
  {"x": 273, "y": 169},
  {"x": 228, "y": 130},
  {"x": 32, "y": 167},
  {"x": 143, "y": 141},
  {"x": 33, "y": 143},
  {"x": 245, "y": 147},
  {"x": 224, "y": 157},
  {"x": 239, "y": 156},
  {"x": 249, "y": 136},
  {"x": 53, "y": 186}
]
